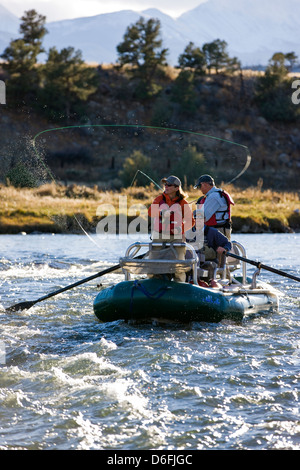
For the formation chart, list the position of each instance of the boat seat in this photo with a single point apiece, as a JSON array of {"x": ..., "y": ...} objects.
[
  {"x": 161, "y": 261},
  {"x": 154, "y": 266}
]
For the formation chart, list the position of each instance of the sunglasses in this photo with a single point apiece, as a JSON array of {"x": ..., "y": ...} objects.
[{"x": 168, "y": 184}]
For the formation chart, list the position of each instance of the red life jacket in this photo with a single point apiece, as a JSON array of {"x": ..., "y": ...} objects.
[
  {"x": 181, "y": 217},
  {"x": 215, "y": 221},
  {"x": 170, "y": 224}
]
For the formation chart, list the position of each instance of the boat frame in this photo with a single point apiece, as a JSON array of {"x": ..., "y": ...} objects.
[
  {"x": 158, "y": 298},
  {"x": 129, "y": 264}
]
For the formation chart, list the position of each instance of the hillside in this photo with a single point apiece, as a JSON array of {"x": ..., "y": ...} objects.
[{"x": 94, "y": 149}]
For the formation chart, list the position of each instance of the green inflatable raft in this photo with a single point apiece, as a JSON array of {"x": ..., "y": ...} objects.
[{"x": 163, "y": 300}]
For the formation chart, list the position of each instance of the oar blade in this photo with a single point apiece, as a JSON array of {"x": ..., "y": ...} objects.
[
  {"x": 20, "y": 306},
  {"x": 29, "y": 304}
]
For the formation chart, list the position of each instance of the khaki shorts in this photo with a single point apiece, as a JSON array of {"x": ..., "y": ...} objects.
[{"x": 226, "y": 231}]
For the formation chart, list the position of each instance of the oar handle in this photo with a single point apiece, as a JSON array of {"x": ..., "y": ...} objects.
[
  {"x": 28, "y": 304},
  {"x": 259, "y": 265}
]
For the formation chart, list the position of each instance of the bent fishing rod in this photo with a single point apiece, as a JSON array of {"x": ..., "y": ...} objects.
[{"x": 258, "y": 264}]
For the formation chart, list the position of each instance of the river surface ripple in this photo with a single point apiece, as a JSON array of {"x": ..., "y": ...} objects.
[{"x": 69, "y": 382}]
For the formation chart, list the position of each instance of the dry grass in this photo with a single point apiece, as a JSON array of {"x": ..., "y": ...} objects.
[
  {"x": 51, "y": 207},
  {"x": 268, "y": 209}
]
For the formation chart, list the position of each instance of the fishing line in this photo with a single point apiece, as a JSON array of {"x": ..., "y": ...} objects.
[
  {"x": 53, "y": 179},
  {"x": 159, "y": 187},
  {"x": 154, "y": 182},
  {"x": 248, "y": 159}
]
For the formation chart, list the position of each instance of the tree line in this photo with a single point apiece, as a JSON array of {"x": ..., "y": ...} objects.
[{"x": 62, "y": 85}]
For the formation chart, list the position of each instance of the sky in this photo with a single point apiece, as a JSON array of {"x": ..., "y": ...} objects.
[{"x": 67, "y": 9}]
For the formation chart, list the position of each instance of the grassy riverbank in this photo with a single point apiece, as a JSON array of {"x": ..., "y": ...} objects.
[{"x": 51, "y": 208}]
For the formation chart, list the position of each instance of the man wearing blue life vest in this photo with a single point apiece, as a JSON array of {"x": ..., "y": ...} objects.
[{"x": 217, "y": 204}]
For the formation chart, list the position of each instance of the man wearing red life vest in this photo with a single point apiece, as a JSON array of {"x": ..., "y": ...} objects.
[
  {"x": 217, "y": 204},
  {"x": 172, "y": 217}
]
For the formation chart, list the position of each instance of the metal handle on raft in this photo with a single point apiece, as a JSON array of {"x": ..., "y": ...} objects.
[{"x": 137, "y": 245}]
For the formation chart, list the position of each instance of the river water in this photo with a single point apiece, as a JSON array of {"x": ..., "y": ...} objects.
[{"x": 69, "y": 382}]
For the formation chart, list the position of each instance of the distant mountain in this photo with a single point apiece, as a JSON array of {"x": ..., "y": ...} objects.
[
  {"x": 98, "y": 36},
  {"x": 254, "y": 30},
  {"x": 9, "y": 26},
  {"x": 8, "y": 21}
]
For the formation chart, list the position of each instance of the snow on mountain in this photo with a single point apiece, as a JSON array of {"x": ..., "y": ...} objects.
[
  {"x": 9, "y": 26},
  {"x": 98, "y": 36},
  {"x": 8, "y": 21},
  {"x": 254, "y": 30}
]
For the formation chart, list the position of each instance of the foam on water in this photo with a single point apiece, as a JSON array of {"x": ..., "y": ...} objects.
[{"x": 79, "y": 384}]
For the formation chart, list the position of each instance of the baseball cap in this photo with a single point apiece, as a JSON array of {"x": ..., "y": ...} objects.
[
  {"x": 204, "y": 179},
  {"x": 172, "y": 180}
]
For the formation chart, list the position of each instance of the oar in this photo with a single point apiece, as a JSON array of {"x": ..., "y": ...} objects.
[
  {"x": 30, "y": 303},
  {"x": 259, "y": 265}
]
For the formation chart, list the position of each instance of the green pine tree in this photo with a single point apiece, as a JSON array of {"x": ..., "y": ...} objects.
[
  {"x": 20, "y": 58},
  {"x": 142, "y": 50},
  {"x": 273, "y": 90},
  {"x": 184, "y": 94},
  {"x": 216, "y": 55},
  {"x": 67, "y": 82},
  {"x": 193, "y": 59}
]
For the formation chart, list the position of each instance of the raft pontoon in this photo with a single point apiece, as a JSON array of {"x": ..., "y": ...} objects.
[{"x": 158, "y": 298}]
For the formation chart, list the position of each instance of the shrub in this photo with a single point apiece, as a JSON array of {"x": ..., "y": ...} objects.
[
  {"x": 190, "y": 166},
  {"x": 21, "y": 177},
  {"x": 137, "y": 161},
  {"x": 183, "y": 93}
]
